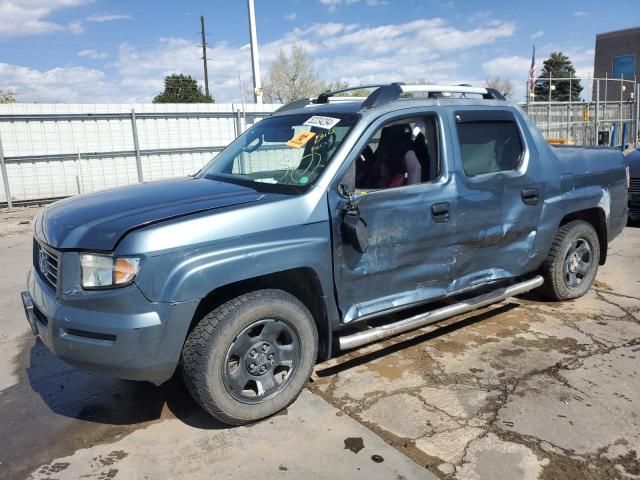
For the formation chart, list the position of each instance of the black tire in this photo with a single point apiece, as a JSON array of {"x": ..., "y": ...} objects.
[
  {"x": 266, "y": 330},
  {"x": 573, "y": 260}
]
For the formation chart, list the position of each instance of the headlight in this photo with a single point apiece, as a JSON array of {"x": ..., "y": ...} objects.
[{"x": 103, "y": 271}]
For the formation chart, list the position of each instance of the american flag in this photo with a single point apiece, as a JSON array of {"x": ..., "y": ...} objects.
[{"x": 532, "y": 71}]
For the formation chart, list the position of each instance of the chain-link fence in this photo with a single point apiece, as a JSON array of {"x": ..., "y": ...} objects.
[
  {"x": 55, "y": 151},
  {"x": 608, "y": 112}
]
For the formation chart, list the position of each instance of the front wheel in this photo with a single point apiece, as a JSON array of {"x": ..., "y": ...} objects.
[
  {"x": 573, "y": 261},
  {"x": 250, "y": 357}
]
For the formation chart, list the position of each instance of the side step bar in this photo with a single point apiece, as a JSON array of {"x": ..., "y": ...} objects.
[{"x": 371, "y": 335}]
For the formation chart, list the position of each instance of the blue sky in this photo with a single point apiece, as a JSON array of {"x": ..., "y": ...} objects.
[{"x": 95, "y": 51}]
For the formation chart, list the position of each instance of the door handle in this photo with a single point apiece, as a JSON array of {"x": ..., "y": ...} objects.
[
  {"x": 440, "y": 212},
  {"x": 530, "y": 196}
]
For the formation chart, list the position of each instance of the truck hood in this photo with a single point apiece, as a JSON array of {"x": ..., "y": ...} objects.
[{"x": 98, "y": 220}]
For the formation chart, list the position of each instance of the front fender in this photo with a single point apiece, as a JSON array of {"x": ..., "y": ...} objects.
[{"x": 193, "y": 272}]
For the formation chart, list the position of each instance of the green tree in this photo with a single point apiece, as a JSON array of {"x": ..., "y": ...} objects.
[
  {"x": 558, "y": 66},
  {"x": 179, "y": 88},
  {"x": 7, "y": 97}
]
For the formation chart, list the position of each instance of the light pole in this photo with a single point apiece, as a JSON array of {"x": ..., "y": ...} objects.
[{"x": 255, "y": 60}]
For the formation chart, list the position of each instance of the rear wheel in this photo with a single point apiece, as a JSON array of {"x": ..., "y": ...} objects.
[
  {"x": 573, "y": 261},
  {"x": 250, "y": 357}
]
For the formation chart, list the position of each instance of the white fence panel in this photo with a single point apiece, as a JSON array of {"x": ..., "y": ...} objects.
[{"x": 58, "y": 150}]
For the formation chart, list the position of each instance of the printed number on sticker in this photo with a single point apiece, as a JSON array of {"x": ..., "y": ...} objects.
[{"x": 322, "y": 122}]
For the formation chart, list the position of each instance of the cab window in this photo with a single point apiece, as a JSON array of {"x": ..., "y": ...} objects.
[
  {"x": 489, "y": 143},
  {"x": 400, "y": 153}
]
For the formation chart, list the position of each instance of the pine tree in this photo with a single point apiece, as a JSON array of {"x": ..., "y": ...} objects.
[
  {"x": 558, "y": 66},
  {"x": 180, "y": 88}
]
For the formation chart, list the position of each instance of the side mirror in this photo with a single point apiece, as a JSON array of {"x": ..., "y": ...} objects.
[
  {"x": 347, "y": 186},
  {"x": 355, "y": 230}
]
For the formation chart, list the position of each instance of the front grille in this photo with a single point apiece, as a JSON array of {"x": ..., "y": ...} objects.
[
  {"x": 634, "y": 185},
  {"x": 46, "y": 262}
]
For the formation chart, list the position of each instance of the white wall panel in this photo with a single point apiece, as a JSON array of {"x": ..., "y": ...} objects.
[{"x": 39, "y": 178}]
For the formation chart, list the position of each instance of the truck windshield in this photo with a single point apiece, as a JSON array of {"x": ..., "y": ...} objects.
[{"x": 289, "y": 151}]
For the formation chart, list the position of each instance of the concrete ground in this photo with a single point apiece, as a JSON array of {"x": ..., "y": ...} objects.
[{"x": 521, "y": 390}]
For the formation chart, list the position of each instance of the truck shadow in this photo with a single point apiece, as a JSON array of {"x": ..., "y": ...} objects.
[
  {"x": 92, "y": 397},
  {"x": 56, "y": 409}
]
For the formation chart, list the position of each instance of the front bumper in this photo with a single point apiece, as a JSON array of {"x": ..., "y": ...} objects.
[{"x": 116, "y": 332}]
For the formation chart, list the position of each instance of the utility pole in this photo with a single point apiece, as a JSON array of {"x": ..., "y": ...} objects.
[
  {"x": 204, "y": 56},
  {"x": 255, "y": 60}
]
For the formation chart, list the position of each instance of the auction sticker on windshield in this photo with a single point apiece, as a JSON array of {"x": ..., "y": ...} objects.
[
  {"x": 322, "y": 122},
  {"x": 301, "y": 139}
]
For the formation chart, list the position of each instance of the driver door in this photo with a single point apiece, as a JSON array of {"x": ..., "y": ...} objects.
[{"x": 411, "y": 252}]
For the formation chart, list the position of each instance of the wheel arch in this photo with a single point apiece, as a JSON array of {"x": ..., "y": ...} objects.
[
  {"x": 596, "y": 217},
  {"x": 303, "y": 283}
]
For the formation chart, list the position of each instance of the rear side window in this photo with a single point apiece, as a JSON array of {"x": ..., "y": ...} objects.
[{"x": 489, "y": 142}]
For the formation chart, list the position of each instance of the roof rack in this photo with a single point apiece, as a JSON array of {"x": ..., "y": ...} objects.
[{"x": 387, "y": 93}]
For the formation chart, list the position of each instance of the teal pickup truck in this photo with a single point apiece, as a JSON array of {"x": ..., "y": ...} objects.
[{"x": 308, "y": 230}]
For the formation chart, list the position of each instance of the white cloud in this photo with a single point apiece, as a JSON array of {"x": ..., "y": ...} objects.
[
  {"x": 334, "y": 4},
  {"x": 580, "y": 13},
  {"x": 291, "y": 16},
  {"x": 510, "y": 67},
  {"x": 69, "y": 85},
  {"x": 94, "y": 54},
  {"x": 76, "y": 27},
  {"x": 537, "y": 34},
  {"x": 107, "y": 17},
  {"x": 424, "y": 49},
  {"x": 29, "y": 17}
]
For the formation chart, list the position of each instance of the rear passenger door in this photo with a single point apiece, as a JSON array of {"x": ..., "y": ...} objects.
[{"x": 500, "y": 196}]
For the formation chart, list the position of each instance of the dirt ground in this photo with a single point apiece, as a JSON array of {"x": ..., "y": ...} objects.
[
  {"x": 16, "y": 220},
  {"x": 524, "y": 389}
]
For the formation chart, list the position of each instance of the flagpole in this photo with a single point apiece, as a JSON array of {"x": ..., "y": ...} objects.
[{"x": 532, "y": 75}]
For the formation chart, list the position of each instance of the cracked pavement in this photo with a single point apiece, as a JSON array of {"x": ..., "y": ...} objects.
[{"x": 523, "y": 389}]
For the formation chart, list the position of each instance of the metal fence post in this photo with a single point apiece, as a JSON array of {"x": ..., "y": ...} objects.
[
  {"x": 238, "y": 123},
  {"x": 136, "y": 145},
  {"x": 243, "y": 155},
  {"x": 5, "y": 177},
  {"x": 636, "y": 141},
  {"x": 78, "y": 172},
  {"x": 597, "y": 112},
  {"x": 549, "y": 110}
]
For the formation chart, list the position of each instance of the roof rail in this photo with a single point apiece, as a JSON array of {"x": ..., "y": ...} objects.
[
  {"x": 387, "y": 93},
  {"x": 324, "y": 97},
  {"x": 302, "y": 102}
]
